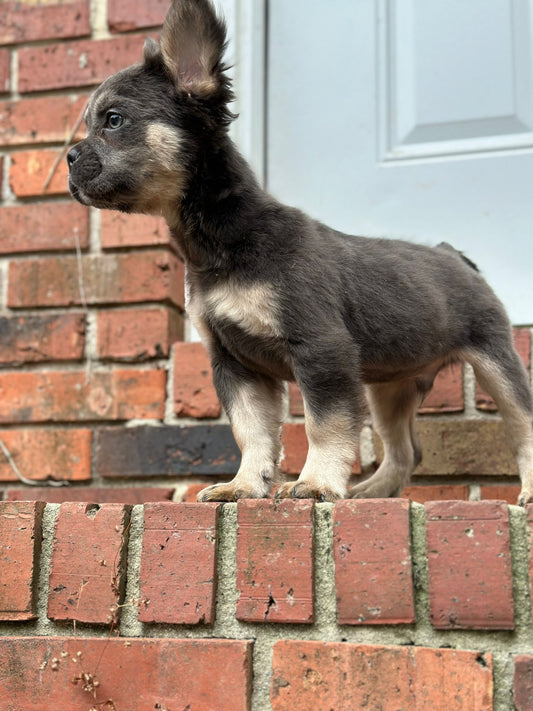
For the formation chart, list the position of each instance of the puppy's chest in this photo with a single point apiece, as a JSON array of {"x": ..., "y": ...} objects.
[{"x": 251, "y": 309}]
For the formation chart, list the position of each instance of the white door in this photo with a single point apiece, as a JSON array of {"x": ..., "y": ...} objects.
[{"x": 411, "y": 119}]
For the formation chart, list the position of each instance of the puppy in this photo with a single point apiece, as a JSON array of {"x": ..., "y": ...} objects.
[{"x": 277, "y": 296}]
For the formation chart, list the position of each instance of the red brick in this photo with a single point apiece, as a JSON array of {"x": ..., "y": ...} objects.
[
  {"x": 522, "y": 342},
  {"x": 151, "y": 275},
  {"x": 178, "y": 563},
  {"x": 296, "y": 403},
  {"x": 124, "y": 15},
  {"x": 194, "y": 392},
  {"x": 87, "y": 572},
  {"x": 43, "y": 120},
  {"x": 5, "y": 70},
  {"x": 38, "y": 227},
  {"x": 523, "y": 682},
  {"x": 447, "y": 392},
  {"x": 37, "y": 339},
  {"x": 20, "y": 544},
  {"x": 192, "y": 491},
  {"x": 42, "y": 454},
  {"x": 373, "y": 571},
  {"x": 72, "y": 64},
  {"x": 58, "y": 396},
  {"x": 100, "y": 495},
  {"x": 275, "y": 577},
  {"x": 119, "y": 230},
  {"x": 295, "y": 446},
  {"x": 469, "y": 559},
  {"x": 501, "y": 492},
  {"x": 461, "y": 447},
  {"x": 446, "y": 492},
  {"x": 30, "y": 170},
  {"x": 330, "y": 675},
  {"x": 135, "y": 674},
  {"x": 138, "y": 334},
  {"x": 26, "y": 20}
]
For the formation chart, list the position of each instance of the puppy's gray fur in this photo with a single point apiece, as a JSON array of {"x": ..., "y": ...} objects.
[{"x": 278, "y": 296}]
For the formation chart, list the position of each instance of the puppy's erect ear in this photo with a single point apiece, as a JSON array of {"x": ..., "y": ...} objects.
[{"x": 192, "y": 44}]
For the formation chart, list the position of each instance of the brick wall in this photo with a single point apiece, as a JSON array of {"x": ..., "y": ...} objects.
[
  {"x": 101, "y": 392},
  {"x": 262, "y": 604}
]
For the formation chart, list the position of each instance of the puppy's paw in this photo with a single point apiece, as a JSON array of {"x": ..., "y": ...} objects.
[
  {"x": 373, "y": 489},
  {"x": 306, "y": 490},
  {"x": 229, "y": 492},
  {"x": 526, "y": 497}
]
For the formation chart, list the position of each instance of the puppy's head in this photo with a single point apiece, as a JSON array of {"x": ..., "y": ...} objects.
[{"x": 147, "y": 123}]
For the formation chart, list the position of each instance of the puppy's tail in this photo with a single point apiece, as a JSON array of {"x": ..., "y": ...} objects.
[{"x": 449, "y": 248}]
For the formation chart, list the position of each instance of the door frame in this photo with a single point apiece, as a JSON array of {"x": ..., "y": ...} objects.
[{"x": 247, "y": 22}]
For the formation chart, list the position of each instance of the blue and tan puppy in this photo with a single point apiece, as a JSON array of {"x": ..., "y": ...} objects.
[{"x": 277, "y": 296}]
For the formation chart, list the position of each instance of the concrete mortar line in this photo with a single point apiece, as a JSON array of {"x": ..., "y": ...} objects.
[
  {"x": 130, "y": 626},
  {"x": 45, "y": 626},
  {"x": 518, "y": 532}
]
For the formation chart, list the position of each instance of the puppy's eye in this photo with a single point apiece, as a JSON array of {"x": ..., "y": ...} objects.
[{"x": 114, "y": 120}]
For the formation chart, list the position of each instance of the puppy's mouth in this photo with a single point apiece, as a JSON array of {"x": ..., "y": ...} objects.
[{"x": 113, "y": 200}]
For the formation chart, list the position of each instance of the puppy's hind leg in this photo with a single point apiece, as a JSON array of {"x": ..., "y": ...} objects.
[
  {"x": 500, "y": 372},
  {"x": 253, "y": 404},
  {"x": 393, "y": 407}
]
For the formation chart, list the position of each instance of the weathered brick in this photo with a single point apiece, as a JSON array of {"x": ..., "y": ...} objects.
[
  {"x": 469, "y": 560},
  {"x": 30, "y": 170},
  {"x": 151, "y": 275},
  {"x": 37, "y": 339},
  {"x": 98, "y": 494},
  {"x": 166, "y": 451},
  {"x": 79, "y": 63},
  {"x": 501, "y": 492},
  {"x": 138, "y": 334},
  {"x": 120, "y": 230},
  {"x": 42, "y": 454},
  {"x": 135, "y": 674},
  {"x": 26, "y": 20},
  {"x": 194, "y": 392},
  {"x": 295, "y": 446},
  {"x": 20, "y": 544},
  {"x": 275, "y": 577},
  {"x": 522, "y": 342},
  {"x": 523, "y": 682},
  {"x": 57, "y": 396},
  {"x": 87, "y": 572},
  {"x": 373, "y": 571},
  {"x": 462, "y": 447},
  {"x": 5, "y": 70},
  {"x": 446, "y": 394},
  {"x": 435, "y": 492},
  {"x": 44, "y": 120},
  {"x": 38, "y": 227},
  {"x": 178, "y": 563},
  {"x": 329, "y": 675},
  {"x": 124, "y": 15}
]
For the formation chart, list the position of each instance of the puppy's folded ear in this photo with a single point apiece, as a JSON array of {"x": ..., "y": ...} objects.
[{"x": 192, "y": 44}]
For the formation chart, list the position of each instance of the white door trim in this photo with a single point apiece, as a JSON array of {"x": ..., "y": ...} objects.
[{"x": 247, "y": 25}]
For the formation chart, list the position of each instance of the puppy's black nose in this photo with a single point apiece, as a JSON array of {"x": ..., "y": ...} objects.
[{"x": 72, "y": 156}]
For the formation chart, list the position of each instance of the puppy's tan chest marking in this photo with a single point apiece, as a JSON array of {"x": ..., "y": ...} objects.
[{"x": 250, "y": 308}]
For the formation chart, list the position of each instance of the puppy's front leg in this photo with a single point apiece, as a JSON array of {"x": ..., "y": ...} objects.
[
  {"x": 334, "y": 408},
  {"x": 253, "y": 405}
]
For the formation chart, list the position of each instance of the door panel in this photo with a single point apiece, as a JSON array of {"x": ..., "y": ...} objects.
[{"x": 412, "y": 119}]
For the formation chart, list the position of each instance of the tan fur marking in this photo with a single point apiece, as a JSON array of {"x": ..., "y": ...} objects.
[
  {"x": 164, "y": 142},
  {"x": 251, "y": 308}
]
